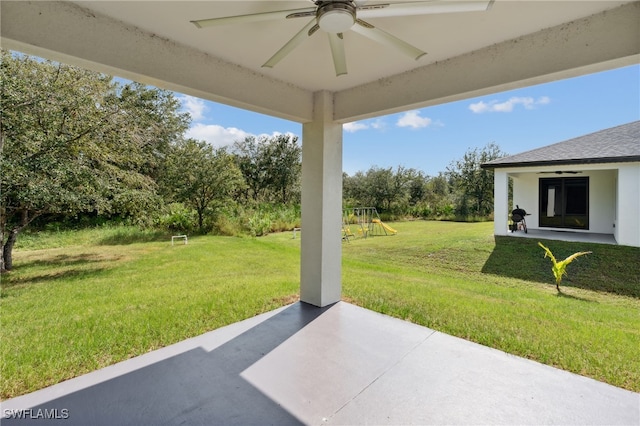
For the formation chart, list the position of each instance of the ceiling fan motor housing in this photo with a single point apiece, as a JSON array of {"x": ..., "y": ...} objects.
[{"x": 336, "y": 16}]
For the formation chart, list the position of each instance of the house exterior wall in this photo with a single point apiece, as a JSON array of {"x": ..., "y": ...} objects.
[
  {"x": 525, "y": 195},
  {"x": 602, "y": 200},
  {"x": 627, "y": 231}
]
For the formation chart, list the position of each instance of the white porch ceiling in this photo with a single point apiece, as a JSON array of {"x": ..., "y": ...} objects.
[{"x": 515, "y": 43}]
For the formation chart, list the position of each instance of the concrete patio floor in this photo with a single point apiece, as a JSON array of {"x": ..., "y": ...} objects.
[
  {"x": 336, "y": 365},
  {"x": 545, "y": 234}
]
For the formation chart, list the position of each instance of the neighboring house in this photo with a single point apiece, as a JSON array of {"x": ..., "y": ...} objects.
[{"x": 586, "y": 184}]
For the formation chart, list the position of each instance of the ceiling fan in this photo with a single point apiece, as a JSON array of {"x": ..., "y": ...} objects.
[
  {"x": 335, "y": 17},
  {"x": 561, "y": 172}
]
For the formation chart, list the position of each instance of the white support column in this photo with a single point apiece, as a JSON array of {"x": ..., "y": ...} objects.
[
  {"x": 321, "y": 244},
  {"x": 500, "y": 202}
]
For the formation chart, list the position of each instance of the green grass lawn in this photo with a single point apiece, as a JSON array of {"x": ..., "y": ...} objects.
[
  {"x": 93, "y": 298},
  {"x": 500, "y": 292}
]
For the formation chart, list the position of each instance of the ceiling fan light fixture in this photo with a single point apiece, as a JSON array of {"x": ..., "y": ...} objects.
[{"x": 336, "y": 17}]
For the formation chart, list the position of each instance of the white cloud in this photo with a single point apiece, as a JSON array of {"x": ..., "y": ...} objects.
[
  {"x": 479, "y": 107},
  {"x": 412, "y": 119},
  {"x": 216, "y": 135},
  {"x": 378, "y": 125},
  {"x": 543, "y": 100},
  {"x": 508, "y": 105},
  {"x": 274, "y": 134},
  {"x": 355, "y": 126},
  {"x": 219, "y": 136},
  {"x": 194, "y": 106}
]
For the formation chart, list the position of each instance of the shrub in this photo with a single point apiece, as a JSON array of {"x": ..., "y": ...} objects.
[
  {"x": 177, "y": 218},
  {"x": 257, "y": 220}
]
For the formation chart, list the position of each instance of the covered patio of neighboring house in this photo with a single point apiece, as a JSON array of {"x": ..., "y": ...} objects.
[
  {"x": 582, "y": 189},
  {"x": 584, "y": 237}
]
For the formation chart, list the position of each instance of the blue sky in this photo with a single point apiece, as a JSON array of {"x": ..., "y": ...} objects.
[{"x": 429, "y": 139}]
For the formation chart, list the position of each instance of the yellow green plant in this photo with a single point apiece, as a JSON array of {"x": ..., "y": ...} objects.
[{"x": 560, "y": 268}]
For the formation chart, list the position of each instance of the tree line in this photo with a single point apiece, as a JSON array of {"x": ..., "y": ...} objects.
[
  {"x": 463, "y": 192},
  {"x": 77, "y": 146}
]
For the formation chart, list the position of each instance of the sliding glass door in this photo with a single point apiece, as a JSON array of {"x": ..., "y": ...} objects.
[{"x": 564, "y": 202}]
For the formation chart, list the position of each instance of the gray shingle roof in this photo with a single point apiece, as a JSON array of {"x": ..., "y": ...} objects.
[{"x": 613, "y": 145}]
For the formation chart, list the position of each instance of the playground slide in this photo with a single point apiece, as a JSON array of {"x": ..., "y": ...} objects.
[{"x": 385, "y": 226}]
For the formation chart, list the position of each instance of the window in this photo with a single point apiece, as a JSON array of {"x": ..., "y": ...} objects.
[{"x": 564, "y": 203}]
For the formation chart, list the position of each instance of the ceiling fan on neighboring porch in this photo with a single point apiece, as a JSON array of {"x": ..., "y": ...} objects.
[
  {"x": 335, "y": 17},
  {"x": 561, "y": 172}
]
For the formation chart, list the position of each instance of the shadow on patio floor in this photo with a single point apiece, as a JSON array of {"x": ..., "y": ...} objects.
[{"x": 193, "y": 387}]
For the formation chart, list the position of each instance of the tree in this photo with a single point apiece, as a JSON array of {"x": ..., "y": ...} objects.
[
  {"x": 354, "y": 191},
  {"x": 75, "y": 141},
  {"x": 473, "y": 183},
  {"x": 417, "y": 187},
  {"x": 201, "y": 177},
  {"x": 271, "y": 167},
  {"x": 283, "y": 162},
  {"x": 250, "y": 160},
  {"x": 382, "y": 188}
]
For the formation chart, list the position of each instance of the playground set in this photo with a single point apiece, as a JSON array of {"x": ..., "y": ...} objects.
[{"x": 365, "y": 222}]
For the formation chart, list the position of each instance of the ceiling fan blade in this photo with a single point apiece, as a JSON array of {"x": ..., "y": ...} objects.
[
  {"x": 305, "y": 13},
  {"x": 290, "y": 45},
  {"x": 254, "y": 17},
  {"x": 383, "y": 37},
  {"x": 337, "y": 51},
  {"x": 422, "y": 8}
]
